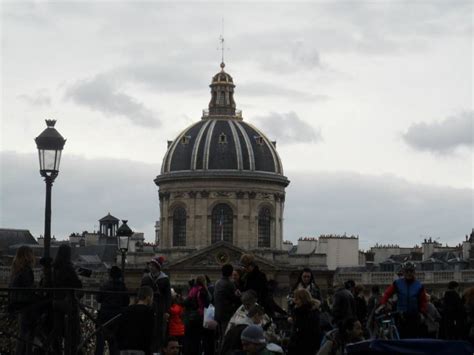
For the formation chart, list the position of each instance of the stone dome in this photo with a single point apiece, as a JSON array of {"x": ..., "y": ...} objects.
[{"x": 221, "y": 143}]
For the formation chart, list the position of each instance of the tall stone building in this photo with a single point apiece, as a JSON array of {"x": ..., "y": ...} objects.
[{"x": 221, "y": 180}]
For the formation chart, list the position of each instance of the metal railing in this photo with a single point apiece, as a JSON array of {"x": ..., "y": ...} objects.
[{"x": 73, "y": 332}]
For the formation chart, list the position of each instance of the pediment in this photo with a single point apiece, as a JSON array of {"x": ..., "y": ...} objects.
[{"x": 216, "y": 255}]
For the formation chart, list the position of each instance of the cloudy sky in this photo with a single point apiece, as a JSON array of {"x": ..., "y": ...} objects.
[{"x": 370, "y": 103}]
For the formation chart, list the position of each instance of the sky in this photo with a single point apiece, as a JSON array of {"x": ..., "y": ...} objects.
[{"x": 370, "y": 103}]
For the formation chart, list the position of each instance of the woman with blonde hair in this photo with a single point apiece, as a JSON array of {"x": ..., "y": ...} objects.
[
  {"x": 306, "y": 333},
  {"x": 22, "y": 277}
]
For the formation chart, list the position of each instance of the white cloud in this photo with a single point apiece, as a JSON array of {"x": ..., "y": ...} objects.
[
  {"x": 442, "y": 137},
  {"x": 39, "y": 98}
]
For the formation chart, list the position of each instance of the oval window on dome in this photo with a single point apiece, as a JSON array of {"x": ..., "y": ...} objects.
[{"x": 222, "y": 223}]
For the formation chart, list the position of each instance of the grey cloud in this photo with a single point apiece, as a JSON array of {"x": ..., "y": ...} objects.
[
  {"x": 39, "y": 98},
  {"x": 378, "y": 208},
  {"x": 288, "y": 128},
  {"x": 442, "y": 137},
  {"x": 103, "y": 93},
  {"x": 383, "y": 209}
]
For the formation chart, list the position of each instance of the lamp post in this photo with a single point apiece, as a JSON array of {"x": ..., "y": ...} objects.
[
  {"x": 123, "y": 239},
  {"x": 50, "y": 145}
]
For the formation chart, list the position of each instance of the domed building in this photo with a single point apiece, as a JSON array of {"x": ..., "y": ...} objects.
[{"x": 221, "y": 181}]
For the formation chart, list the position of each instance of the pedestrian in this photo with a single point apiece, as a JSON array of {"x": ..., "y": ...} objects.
[
  {"x": 170, "y": 346},
  {"x": 335, "y": 342},
  {"x": 136, "y": 325},
  {"x": 198, "y": 299},
  {"x": 360, "y": 305},
  {"x": 453, "y": 314},
  {"x": 113, "y": 299},
  {"x": 66, "y": 321},
  {"x": 373, "y": 303},
  {"x": 237, "y": 279},
  {"x": 411, "y": 301},
  {"x": 344, "y": 303},
  {"x": 432, "y": 319},
  {"x": 226, "y": 298},
  {"x": 306, "y": 332},
  {"x": 305, "y": 281},
  {"x": 175, "y": 322},
  {"x": 254, "y": 279},
  {"x": 469, "y": 307},
  {"x": 21, "y": 301},
  {"x": 253, "y": 341},
  {"x": 160, "y": 284}
]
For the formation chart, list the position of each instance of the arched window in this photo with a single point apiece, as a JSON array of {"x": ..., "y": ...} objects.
[
  {"x": 264, "y": 221},
  {"x": 179, "y": 227},
  {"x": 222, "y": 223}
]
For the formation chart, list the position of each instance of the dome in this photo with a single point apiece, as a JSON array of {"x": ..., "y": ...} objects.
[{"x": 221, "y": 143}]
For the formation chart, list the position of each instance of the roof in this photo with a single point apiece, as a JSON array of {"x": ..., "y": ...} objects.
[
  {"x": 109, "y": 218},
  {"x": 10, "y": 237}
]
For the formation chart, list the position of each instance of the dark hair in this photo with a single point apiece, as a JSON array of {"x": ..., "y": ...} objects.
[
  {"x": 300, "y": 278},
  {"x": 256, "y": 309},
  {"x": 63, "y": 256},
  {"x": 346, "y": 324},
  {"x": 115, "y": 273},
  {"x": 349, "y": 284},
  {"x": 144, "y": 292},
  {"x": 169, "y": 340},
  {"x": 375, "y": 289},
  {"x": 24, "y": 258},
  {"x": 452, "y": 285},
  {"x": 227, "y": 270}
]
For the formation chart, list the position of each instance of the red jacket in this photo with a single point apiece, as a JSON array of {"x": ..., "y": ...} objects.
[{"x": 175, "y": 323}]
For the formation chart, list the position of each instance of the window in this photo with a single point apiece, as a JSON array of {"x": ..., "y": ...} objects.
[
  {"x": 264, "y": 222},
  {"x": 179, "y": 227},
  {"x": 259, "y": 140},
  {"x": 222, "y": 223},
  {"x": 185, "y": 139},
  {"x": 222, "y": 138},
  {"x": 221, "y": 98}
]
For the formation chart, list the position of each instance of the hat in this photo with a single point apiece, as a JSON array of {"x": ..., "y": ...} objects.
[
  {"x": 157, "y": 260},
  {"x": 253, "y": 334}
]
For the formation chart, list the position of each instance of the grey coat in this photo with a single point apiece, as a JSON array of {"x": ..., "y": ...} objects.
[{"x": 225, "y": 300}]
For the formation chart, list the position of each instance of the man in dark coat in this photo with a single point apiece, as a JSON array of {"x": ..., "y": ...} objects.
[
  {"x": 255, "y": 280},
  {"x": 344, "y": 303},
  {"x": 160, "y": 284},
  {"x": 453, "y": 313},
  {"x": 226, "y": 298}
]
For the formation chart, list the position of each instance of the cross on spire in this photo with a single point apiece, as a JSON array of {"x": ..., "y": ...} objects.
[{"x": 222, "y": 47}]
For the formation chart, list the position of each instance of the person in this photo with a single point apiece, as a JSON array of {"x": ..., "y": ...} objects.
[
  {"x": 468, "y": 297},
  {"x": 273, "y": 307},
  {"x": 241, "y": 316},
  {"x": 305, "y": 281},
  {"x": 253, "y": 341},
  {"x": 255, "y": 280},
  {"x": 226, "y": 298},
  {"x": 348, "y": 331},
  {"x": 160, "y": 284},
  {"x": 22, "y": 277},
  {"x": 344, "y": 303},
  {"x": 360, "y": 304},
  {"x": 372, "y": 305},
  {"x": 65, "y": 303},
  {"x": 112, "y": 302},
  {"x": 453, "y": 316},
  {"x": 306, "y": 333},
  {"x": 237, "y": 279},
  {"x": 136, "y": 325},
  {"x": 432, "y": 319},
  {"x": 170, "y": 346},
  {"x": 411, "y": 301},
  {"x": 175, "y": 322},
  {"x": 198, "y": 299}
]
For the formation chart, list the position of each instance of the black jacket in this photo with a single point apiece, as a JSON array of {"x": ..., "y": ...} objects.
[
  {"x": 257, "y": 281},
  {"x": 306, "y": 333},
  {"x": 135, "y": 329},
  {"x": 64, "y": 276},
  {"x": 112, "y": 303},
  {"x": 344, "y": 305},
  {"x": 22, "y": 279},
  {"x": 161, "y": 288},
  {"x": 225, "y": 300}
]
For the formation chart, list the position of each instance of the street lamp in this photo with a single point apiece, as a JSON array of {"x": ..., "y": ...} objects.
[
  {"x": 50, "y": 145},
  {"x": 123, "y": 239}
]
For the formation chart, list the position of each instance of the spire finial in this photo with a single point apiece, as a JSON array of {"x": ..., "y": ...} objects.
[{"x": 222, "y": 47}]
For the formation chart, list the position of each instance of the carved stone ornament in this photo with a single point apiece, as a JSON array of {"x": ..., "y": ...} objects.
[
  {"x": 240, "y": 194},
  {"x": 223, "y": 194},
  {"x": 164, "y": 195},
  {"x": 222, "y": 257},
  {"x": 252, "y": 194},
  {"x": 178, "y": 195},
  {"x": 266, "y": 196},
  {"x": 277, "y": 197},
  {"x": 205, "y": 194},
  {"x": 192, "y": 194}
]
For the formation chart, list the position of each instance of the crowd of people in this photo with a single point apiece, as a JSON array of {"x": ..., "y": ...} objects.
[{"x": 234, "y": 315}]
